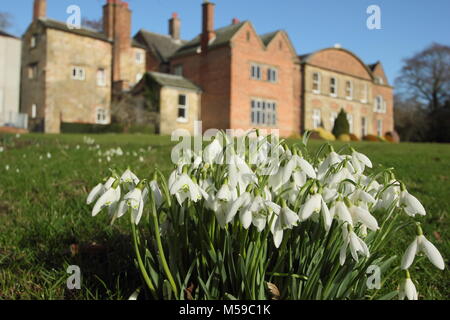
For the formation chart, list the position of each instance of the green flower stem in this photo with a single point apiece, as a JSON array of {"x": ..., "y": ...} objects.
[
  {"x": 144, "y": 273},
  {"x": 160, "y": 247}
]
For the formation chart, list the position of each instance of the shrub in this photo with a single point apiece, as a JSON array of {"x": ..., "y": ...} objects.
[
  {"x": 324, "y": 134},
  {"x": 371, "y": 138},
  {"x": 353, "y": 137},
  {"x": 345, "y": 138},
  {"x": 341, "y": 125},
  {"x": 392, "y": 137}
]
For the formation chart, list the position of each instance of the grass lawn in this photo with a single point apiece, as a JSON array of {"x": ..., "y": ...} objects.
[{"x": 45, "y": 225}]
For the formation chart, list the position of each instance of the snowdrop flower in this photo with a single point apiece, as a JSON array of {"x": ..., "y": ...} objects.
[
  {"x": 1, "y": 149},
  {"x": 141, "y": 159},
  {"x": 184, "y": 188},
  {"x": 421, "y": 244},
  {"x": 316, "y": 204},
  {"x": 332, "y": 159},
  {"x": 133, "y": 200},
  {"x": 213, "y": 152},
  {"x": 7, "y": 167},
  {"x": 224, "y": 204},
  {"x": 239, "y": 173},
  {"x": 285, "y": 218},
  {"x": 363, "y": 216},
  {"x": 49, "y": 155},
  {"x": 410, "y": 204},
  {"x": 352, "y": 241},
  {"x": 100, "y": 189},
  {"x": 297, "y": 163},
  {"x": 129, "y": 177},
  {"x": 341, "y": 212},
  {"x": 407, "y": 289},
  {"x": 360, "y": 161},
  {"x": 109, "y": 199},
  {"x": 154, "y": 187}
]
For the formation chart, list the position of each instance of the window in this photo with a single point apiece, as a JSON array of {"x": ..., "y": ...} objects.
[
  {"x": 272, "y": 75},
  {"x": 138, "y": 77},
  {"x": 33, "y": 41},
  {"x": 256, "y": 72},
  {"x": 139, "y": 57},
  {"x": 349, "y": 90},
  {"x": 333, "y": 87},
  {"x": 182, "y": 108},
  {"x": 363, "y": 126},
  {"x": 316, "y": 117},
  {"x": 1, "y": 101},
  {"x": 78, "y": 73},
  {"x": 248, "y": 36},
  {"x": 101, "y": 77},
  {"x": 379, "y": 127},
  {"x": 379, "y": 80},
  {"x": 350, "y": 122},
  {"x": 380, "y": 104},
  {"x": 316, "y": 82},
  {"x": 32, "y": 71},
  {"x": 333, "y": 117},
  {"x": 263, "y": 113},
  {"x": 33, "y": 111},
  {"x": 365, "y": 93},
  {"x": 178, "y": 70},
  {"x": 101, "y": 116}
]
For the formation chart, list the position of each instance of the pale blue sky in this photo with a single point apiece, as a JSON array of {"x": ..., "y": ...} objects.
[{"x": 407, "y": 25}]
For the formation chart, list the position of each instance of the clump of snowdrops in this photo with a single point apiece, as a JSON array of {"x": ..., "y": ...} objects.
[{"x": 254, "y": 218}]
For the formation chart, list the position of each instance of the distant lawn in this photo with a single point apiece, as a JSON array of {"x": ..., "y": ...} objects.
[{"x": 45, "y": 224}]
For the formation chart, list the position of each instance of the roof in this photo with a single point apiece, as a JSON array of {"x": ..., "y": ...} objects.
[
  {"x": 53, "y": 24},
  {"x": 267, "y": 37},
  {"x": 162, "y": 45},
  {"x": 223, "y": 36},
  {"x": 5, "y": 34},
  {"x": 373, "y": 65},
  {"x": 171, "y": 80}
]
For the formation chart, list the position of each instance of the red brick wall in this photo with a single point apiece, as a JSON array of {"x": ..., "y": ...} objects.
[{"x": 286, "y": 91}]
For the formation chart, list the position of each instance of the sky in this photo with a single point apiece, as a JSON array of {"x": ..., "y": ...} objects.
[{"x": 407, "y": 26}]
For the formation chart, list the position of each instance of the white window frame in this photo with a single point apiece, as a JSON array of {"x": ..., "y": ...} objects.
[
  {"x": 33, "y": 41},
  {"x": 333, "y": 87},
  {"x": 316, "y": 118},
  {"x": 101, "y": 77},
  {"x": 272, "y": 75},
  {"x": 263, "y": 112},
  {"x": 78, "y": 73},
  {"x": 364, "y": 127},
  {"x": 33, "y": 111},
  {"x": 101, "y": 115},
  {"x": 350, "y": 122},
  {"x": 185, "y": 107},
  {"x": 333, "y": 117},
  {"x": 365, "y": 93},
  {"x": 139, "y": 57},
  {"x": 349, "y": 90},
  {"x": 380, "y": 127},
  {"x": 379, "y": 104},
  {"x": 255, "y": 72},
  {"x": 317, "y": 82}
]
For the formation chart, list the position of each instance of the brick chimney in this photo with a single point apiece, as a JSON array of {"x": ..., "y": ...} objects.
[
  {"x": 175, "y": 27},
  {"x": 39, "y": 9},
  {"x": 235, "y": 21},
  {"x": 208, "y": 25},
  {"x": 117, "y": 27}
]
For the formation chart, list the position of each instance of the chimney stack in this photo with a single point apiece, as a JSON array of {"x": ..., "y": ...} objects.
[
  {"x": 235, "y": 21},
  {"x": 175, "y": 27},
  {"x": 39, "y": 9},
  {"x": 208, "y": 25}
]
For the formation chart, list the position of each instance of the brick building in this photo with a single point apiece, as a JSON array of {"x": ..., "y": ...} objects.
[{"x": 239, "y": 79}]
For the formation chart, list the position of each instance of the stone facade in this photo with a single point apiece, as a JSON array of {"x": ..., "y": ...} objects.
[
  {"x": 327, "y": 75},
  {"x": 10, "y": 50},
  {"x": 169, "y": 120}
]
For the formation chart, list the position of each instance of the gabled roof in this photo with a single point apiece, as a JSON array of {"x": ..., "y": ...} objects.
[
  {"x": 267, "y": 37},
  {"x": 223, "y": 36},
  {"x": 53, "y": 24},
  {"x": 373, "y": 65},
  {"x": 162, "y": 45},
  {"x": 171, "y": 80},
  {"x": 5, "y": 34}
]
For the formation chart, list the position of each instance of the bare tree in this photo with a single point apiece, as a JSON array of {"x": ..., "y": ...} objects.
[
  {"x": 95, "y": 24},
  {"x": 5, "y": 20},
  {"x": 423, "y": 95},
  {"x": 426, "y": 76}
]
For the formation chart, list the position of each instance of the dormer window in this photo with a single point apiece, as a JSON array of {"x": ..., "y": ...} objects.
[{"x": 139, "y": 57}]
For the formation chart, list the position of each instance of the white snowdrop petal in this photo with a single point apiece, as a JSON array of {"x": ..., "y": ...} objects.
[
  {"x": 432, "y": 253},
  {"x": 409, "y": 255}
]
